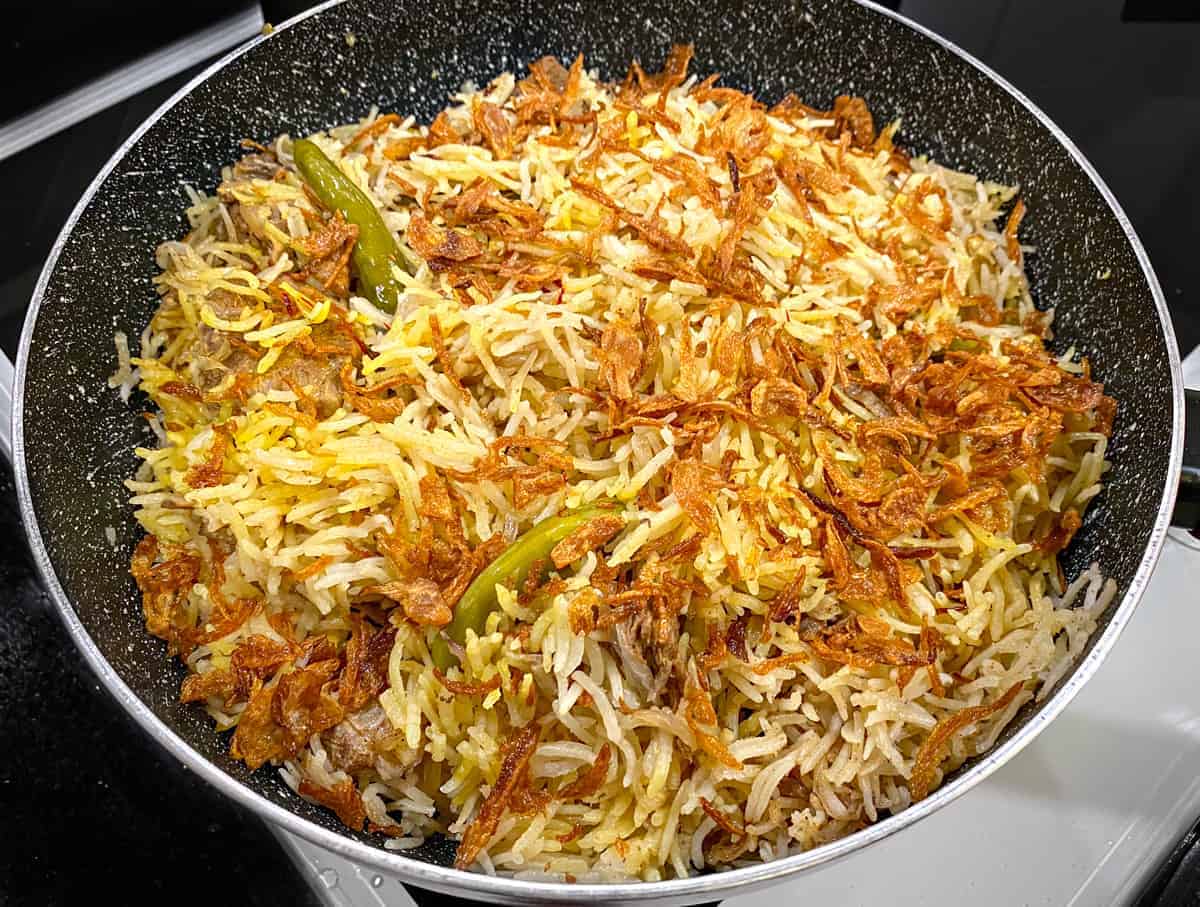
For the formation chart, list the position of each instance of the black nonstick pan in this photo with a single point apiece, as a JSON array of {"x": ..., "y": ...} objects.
[{"x": 73, "y": 439}]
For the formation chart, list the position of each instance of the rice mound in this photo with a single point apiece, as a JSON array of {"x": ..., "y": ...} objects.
[{"x": 804, "y": 368}]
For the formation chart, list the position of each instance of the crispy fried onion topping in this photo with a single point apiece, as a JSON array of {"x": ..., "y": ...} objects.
[
  {"x": 281, "y": 716},
  {"x": 365, "y": 675},
  {"x": 585, "y": 786},
  {"x": 701, "y": 718},
  {"x": 589, "y": 536},
  {"x": 535, "y": 466},
  {"x": 441, "y": 245},
  {"x": 514, "y": 767},
  {"x": 862, "y": 642},
  {"x": 436, "y": 564},
  {"x": 925, "y": 765},
  {"x": 343, "y": 798}
]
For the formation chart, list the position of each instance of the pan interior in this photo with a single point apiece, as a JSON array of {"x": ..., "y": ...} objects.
[{"x": 79, "y": 437}]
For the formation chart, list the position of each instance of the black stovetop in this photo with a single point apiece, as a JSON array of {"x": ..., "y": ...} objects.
[{"x": 89, "y": 806}]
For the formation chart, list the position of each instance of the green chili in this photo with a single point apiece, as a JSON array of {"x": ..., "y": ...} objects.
[
  {"x": 511, "y": 568},
  {"x": 376, "y": 248}
]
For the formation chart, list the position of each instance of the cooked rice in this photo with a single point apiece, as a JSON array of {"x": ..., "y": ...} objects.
[{"x": 742, "y": 753}]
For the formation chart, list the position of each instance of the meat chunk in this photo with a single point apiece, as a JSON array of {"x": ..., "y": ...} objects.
[
  {"x": 215, "y": 355},
  {"x": 650, "y": 652},
  {"x": 317, "y": 375},
  {"x": 257, "y": 166},
  {"x": 250, "y": 218},
  {"x": 352, "y": 744}
]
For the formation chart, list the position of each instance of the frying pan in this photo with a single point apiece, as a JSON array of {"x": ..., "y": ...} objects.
[{"x": 73, "y": 439}]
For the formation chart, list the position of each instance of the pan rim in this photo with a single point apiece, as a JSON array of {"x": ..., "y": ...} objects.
[{"x": 508, "y": 890}]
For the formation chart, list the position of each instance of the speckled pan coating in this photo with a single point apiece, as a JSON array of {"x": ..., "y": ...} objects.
[{"x": 78, "y": 437}]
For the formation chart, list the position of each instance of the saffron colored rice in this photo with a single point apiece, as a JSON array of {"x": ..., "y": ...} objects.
[{"x": 804, "y": 369}]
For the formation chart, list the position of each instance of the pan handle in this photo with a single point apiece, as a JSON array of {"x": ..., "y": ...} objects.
[
  {"x": 1187, "y": 502},
  {"x": 8, "y": 380}
]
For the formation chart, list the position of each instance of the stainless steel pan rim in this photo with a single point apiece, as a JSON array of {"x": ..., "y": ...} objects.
[{"x": 676, "y": 891}]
